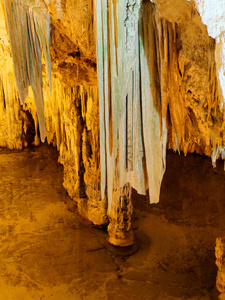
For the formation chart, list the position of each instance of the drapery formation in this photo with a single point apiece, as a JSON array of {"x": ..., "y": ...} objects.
[
  {"x": 145, "y": 70},
  {"x": 133, "y": 127},
  {"x": 28, "y": 25}
]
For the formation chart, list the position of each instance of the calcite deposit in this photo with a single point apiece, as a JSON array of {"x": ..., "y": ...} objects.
[
  {"x": 158, "y": 89},
  {"x": 70, "y": 104},
  {"x": 112, "y": 85},
  {"x": 220, "y": 252}
]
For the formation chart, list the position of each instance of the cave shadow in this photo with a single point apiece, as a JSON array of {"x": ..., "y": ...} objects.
[
  {"x": 192, "y": 192},
  {"x": 192, "y": 199}
]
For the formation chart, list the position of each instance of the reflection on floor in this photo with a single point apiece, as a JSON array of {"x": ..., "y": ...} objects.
[{"x": 48, "y": 252}]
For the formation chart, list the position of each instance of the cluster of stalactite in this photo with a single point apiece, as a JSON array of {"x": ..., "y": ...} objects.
[
  {"x": 189, "y": 89},
  {"x": 11, "y": 124},
  {"x": 154, "y": 93},
  {"x": 133, "y": 131},
  {"x": 71, "y": 125},
  {"x": 28, "y": 23},
  {"x": 61, "y": 110}
]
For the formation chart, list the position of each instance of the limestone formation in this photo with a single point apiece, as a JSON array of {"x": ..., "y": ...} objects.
[
  {"x": 220, "y": 262},
  {"x": 28, "y": 24},
  {"x": 126, "y": 81},
  {"x": 158, "y": 87},
  {"x": 70, "y": 113}
]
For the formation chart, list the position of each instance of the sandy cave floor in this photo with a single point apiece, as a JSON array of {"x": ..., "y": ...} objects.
[{"x": 48, "y": 252}]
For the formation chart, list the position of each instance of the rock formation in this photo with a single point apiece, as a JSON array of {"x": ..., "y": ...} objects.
[
  {"x": 113, "y": 84},
  {"x": 220, "y": 281},
  {"x": 70, "y": 104},
  {"x": 158, "y": 88}
]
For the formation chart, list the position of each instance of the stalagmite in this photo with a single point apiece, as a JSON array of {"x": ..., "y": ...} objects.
[{"x": 219, "y": 253}]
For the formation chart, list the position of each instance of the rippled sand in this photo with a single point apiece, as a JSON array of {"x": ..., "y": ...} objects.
[{"x": 48, "y": 252}]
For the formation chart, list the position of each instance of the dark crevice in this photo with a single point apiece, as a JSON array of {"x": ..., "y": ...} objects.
[{"x": 80, "y": 128}]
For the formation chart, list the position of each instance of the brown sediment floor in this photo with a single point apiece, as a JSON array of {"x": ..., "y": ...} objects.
[{"x": 48, "y": 252}]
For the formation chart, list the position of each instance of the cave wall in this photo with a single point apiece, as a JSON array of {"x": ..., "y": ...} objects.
[{"x": 199, "y": 62}]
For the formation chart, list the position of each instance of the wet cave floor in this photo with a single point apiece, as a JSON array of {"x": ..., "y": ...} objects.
[{"x": 47, "y": 251}]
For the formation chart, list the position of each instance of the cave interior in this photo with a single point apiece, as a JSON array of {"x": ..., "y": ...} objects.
[{"x": 112, "y": 141}]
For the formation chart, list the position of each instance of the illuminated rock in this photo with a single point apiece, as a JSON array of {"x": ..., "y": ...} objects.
[
  {"x": 160, "y": 85},
  {"x": 220, "y": 280}
]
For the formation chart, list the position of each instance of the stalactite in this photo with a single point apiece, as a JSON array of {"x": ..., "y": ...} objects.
[
  {"x": 12, "y": 127},
  {"x": 133, "y": 133},
  {"x": 28, "y": 24},
  {"x": 71, "y": 110},
  {"x": 146, "y": 93},
  {"x": 72, "y": 125},
  {"x": 154, "y": 52},
  {"x": 131, "y": 97},
  {"x": 119, "y": 104},
  {"x": 218, "y": 152}
]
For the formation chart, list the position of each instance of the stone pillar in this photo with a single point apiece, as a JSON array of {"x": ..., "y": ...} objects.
[
  {"x": 220, "y": 262},
  {"x": 119, "y": 229}
]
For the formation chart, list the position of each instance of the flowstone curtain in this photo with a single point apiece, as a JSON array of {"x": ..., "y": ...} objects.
[{"x": 132, "y": 129}]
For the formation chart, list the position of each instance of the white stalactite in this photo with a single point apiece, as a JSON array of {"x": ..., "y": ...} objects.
[
  {"x": 28, "y": 24},
  {"x": 132, "y": 129}
]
